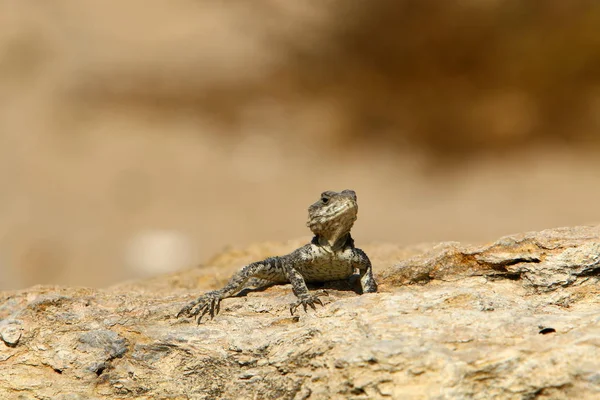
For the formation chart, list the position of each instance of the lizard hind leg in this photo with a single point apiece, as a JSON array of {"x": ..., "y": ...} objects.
[
  {"x": 208, "y": 303},
  {"x": 258, "y": 284}
]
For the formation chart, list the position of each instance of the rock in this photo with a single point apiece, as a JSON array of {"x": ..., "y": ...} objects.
[
  {"x": 542, "y": 261},
  {"x": 515, "y": 319}
]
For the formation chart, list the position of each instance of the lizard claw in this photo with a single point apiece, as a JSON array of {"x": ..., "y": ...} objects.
[
  {"x": 307, "y": 300},
  {"x": 209, "y": 303}
]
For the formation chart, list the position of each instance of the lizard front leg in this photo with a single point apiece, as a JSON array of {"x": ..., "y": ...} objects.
[
  {"x": 299, "y": 288},
  {"x": 362, "y": 262}
]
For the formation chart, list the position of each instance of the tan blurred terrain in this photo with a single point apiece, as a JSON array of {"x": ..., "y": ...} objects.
[{"x": 140, "y": 137}]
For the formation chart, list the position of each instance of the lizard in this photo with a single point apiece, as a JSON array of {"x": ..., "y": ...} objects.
[{"x": 330, "y": 256}]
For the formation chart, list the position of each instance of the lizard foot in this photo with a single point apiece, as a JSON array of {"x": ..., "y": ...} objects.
[
  {"x": 208, "y": 303},
  {"x": 308, "y": 300}
]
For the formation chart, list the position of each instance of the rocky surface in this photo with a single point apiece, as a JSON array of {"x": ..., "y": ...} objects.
[{"x": 516, "y": 319}]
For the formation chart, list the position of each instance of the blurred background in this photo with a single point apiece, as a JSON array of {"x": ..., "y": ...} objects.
[{"x": 141, "y": 137}]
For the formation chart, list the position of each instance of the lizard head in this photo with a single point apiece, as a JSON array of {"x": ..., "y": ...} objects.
[{"x": 332, "y": 216}]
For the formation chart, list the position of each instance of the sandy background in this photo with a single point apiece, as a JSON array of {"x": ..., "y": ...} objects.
[{"x": 140, "y": 137}]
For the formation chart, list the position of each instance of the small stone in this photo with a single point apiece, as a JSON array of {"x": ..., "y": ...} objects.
[
  {"x": 262, "y": 362},
  {"x": 246, "y": 360},
  {"x": 11, "y": 334},
  {"x": 250, "y": 373}
]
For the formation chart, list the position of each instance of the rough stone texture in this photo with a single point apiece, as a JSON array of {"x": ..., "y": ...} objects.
[{"x": 517, "y": 319}]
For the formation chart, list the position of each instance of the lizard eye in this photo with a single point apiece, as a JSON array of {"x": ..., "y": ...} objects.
[{"x": 325, "y": 200}]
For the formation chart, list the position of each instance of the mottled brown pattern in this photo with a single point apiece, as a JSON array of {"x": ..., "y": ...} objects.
[{"x": 330, "y": 256}]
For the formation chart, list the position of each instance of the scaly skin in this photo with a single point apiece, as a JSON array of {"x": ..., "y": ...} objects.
[{"x": 330, "y": 256}]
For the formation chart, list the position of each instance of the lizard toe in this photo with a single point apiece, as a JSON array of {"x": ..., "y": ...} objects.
[
  {"x": 306, "y": 301},
  {"x": 208, "y": 303}
]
